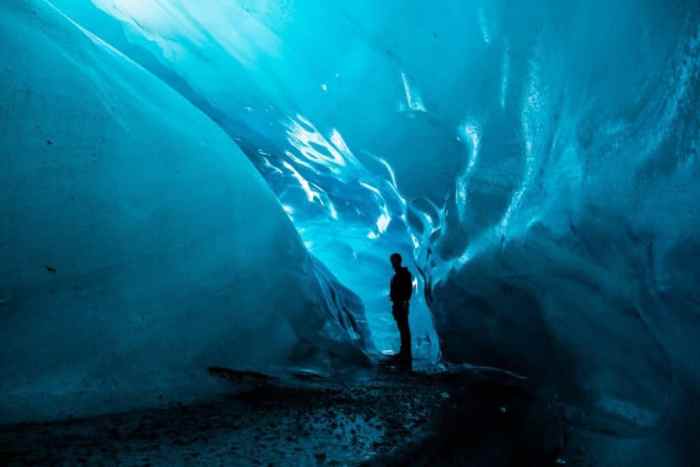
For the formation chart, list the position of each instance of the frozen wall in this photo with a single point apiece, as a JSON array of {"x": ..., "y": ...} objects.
[
  {"x": 535, "y": 160},
  {"x": 138, "y": 244},
  {"x": 264, "y": 82},
  {"x": 568, "y": 258}
]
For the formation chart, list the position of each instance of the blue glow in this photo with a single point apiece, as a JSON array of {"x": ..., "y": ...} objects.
[{"x": 536, "y": 164}]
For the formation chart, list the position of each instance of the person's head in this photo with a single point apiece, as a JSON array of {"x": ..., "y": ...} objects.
[{"x": 395, "y": 261}]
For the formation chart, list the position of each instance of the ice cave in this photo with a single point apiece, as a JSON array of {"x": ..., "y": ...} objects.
[{"x": 199, "y": 199}]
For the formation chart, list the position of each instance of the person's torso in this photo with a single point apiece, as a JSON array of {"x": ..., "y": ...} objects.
[{"x": 401, "y": 285}]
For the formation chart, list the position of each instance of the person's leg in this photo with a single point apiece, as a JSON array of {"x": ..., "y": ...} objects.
[
  {"x": 409, "y": 347},
  {"x": 405, "y": 353},
  {"x": 396, "y": 312}
]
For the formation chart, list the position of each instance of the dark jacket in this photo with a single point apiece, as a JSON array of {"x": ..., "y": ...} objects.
[{"x": 401, "y": 286}]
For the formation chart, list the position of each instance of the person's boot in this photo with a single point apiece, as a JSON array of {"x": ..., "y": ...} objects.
[{"x": 406, "y": 363}]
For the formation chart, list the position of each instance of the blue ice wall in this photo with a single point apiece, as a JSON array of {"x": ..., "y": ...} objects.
[
  {"x": 139, "y": 246},
  {"x": 252, "y": 80}
]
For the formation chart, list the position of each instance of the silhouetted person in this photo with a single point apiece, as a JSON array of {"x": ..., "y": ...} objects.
[{"x": 401, "y": 290}]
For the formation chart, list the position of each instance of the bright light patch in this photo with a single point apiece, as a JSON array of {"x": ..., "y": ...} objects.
[
  {"x": 305, "y": 138},
  {"x": 159, "y": 22},
  {"x": 413, "y": 98},
  {"x": 311, "y": 195},
  {"x": 468, "y": 132},
  {"x": 483, "y": 25},
  {"x": 505, "y": 76},
  {"x": 175, "y": 26},
  {"x": 532, "y": 109},
  {"x": 383, "y": 221},
  {"x": 332, "y": 211}
]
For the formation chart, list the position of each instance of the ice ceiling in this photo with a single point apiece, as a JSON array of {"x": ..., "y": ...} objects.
[{"x": 535, "y": 162}]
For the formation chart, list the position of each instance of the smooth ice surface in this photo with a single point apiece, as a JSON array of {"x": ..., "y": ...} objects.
[{"x": 139, "y": 245}]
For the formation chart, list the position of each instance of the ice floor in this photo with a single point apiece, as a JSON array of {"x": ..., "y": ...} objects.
[{"x": 381, "y": 419}]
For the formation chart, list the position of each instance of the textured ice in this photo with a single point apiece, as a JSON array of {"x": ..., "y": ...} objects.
[
  {"x": 138, "y": 249},
  {"x": 536, "y": 162},
  {"x": 345, "y": 204}
]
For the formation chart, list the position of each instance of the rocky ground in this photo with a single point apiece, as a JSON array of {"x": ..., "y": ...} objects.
[{"x": 467, "y": 417}]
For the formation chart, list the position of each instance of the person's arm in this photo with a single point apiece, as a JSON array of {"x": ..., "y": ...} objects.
[{"x": 407, "y": 285}]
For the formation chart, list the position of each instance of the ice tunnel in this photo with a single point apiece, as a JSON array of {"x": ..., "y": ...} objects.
[{"x": 221, "y": 182}]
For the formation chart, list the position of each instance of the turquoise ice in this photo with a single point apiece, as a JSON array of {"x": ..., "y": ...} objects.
[{"x": 535, "y": 162}]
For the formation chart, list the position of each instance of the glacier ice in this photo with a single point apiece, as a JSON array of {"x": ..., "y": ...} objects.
[
  {"x": 535, "y": 160},
  {"x": 344, "y": 204},
  {"x": 138, "y": 249}
]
